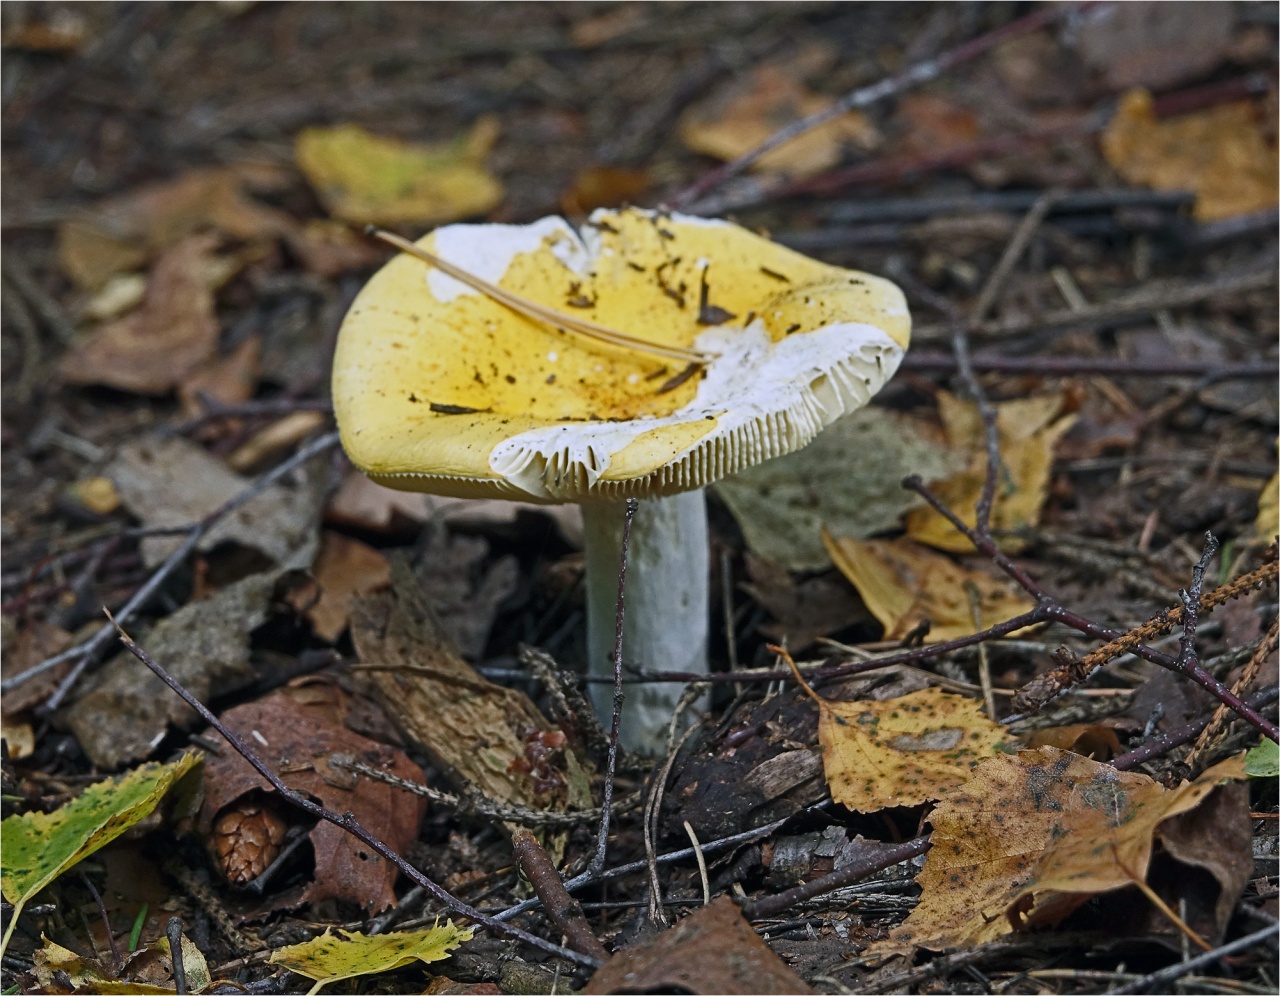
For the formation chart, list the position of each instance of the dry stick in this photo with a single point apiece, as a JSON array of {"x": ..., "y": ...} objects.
[
  {"x": 1213, "y": 732},
  {"x": 116, "y": 962},
  {"x": 562, "y": 908},
  {"x": 1191, "y": 596},
  {"x": 602, "y": 839},
  {"x": 1049, "y": 608},
  {"x": 1158, "y": 746},
  {"x": 345, "y": 821},
  {"x": 173, "y": 931},
  {"x": 850, "y": 874},
  {"x": 1022, "y": 236},
  {"x": 85, "y": 653},
  {"x": 1168, "y": 975},
  {"x": 921, "y": 72}
]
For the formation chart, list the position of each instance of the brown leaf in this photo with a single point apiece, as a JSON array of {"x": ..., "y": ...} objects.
[
  {"x": 228, "y": 379},
  {"x": 25, "y": 648},
  {"x": 1092, "y": 740},
  {"x": 174, "y": 331},
  {"x": 804, "y": 610},
  {"x": 476, "y": 731},
  {"x": 1032, "y": 837},
  {"x": 903, "y": 751},
  {"x": 1152, "y": 44},
  {"x": 297, "y": 730},
  {"x": 603, "y": 186},
  {"x": 711, "y": 951},
  {"x": 344, "y": 568}
]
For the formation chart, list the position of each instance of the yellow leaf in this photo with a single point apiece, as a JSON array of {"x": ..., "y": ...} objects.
[
  {"x": 1028, "y": 433},
  {"x": 904, "y": 583},
  {"x": 366, "y": 178},
  {"x": 1031, "y": 837},
  {"x": 329, "y": 959},
  {"x": 1267, "y": 525},
  {"x": 903, "y": 751},
  {"x": 1220, "y": 153},
  {"x": 38, "y": 847}
]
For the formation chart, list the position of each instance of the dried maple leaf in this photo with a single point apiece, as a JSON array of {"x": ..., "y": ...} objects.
[
  {"x": 1033, "y": 836},
  {"x": 901, "y": 751}
]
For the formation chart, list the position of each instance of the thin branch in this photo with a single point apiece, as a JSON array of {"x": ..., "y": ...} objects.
[
  {"x": 344, "y": 821},
  {"x": 913, "y": 76},
  {"x": 561, "y": 907},
  {"x": 1158, "y": 746},
  {"x": 1073, "y": 366},
  {"x": 1168, "y": 975},
  {"x": 1187, "y": 656}
]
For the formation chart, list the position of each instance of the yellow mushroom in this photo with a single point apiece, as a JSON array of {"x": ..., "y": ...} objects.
[{"x": 646, "y": 356}]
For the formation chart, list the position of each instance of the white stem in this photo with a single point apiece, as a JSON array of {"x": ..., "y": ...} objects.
[{"x": 666, "y": 606}]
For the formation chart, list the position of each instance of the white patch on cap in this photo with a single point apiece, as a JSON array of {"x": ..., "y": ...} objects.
[{"x": 488, "y": 250}]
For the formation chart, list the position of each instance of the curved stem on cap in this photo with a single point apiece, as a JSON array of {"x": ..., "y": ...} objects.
[{"x": 667, "y": 597}]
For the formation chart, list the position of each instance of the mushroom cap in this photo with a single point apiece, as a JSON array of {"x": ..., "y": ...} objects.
[{"x": 437, "y": 387}]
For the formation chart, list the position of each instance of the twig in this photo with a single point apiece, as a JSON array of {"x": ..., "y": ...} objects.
[
  {"x": 472, "y": 804},
  {"x": 611, "y": 766},
  {"x": 1168, "y": 975},
  {"x": 46, "y": 308},
  {"x": 116, "y": 963},
  {"x": 848, "y": 875},
  {"x": 1071, "y": 366},
  {"x": 1158, "y": 746},
  {"x": 1026, "y": 229},
  {"x": 919, "y": 73},
  {"x": 1187, "y": 656},
  {"x": 652, "y": 807},
  {"x": 344, "y": 821},
  {"x": 173, "y": 931},
  {"x": 702, "y": 862},
  {"x": 1212, "y": 733},
  {"x": 87, "y": 652},
  {"x": 561, "y": 907}
]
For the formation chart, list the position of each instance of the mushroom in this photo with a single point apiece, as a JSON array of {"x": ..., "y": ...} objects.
[{"x": 645, "y": 357}]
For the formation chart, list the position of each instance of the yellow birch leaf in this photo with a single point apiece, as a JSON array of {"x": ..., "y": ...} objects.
[
  {"x": 903, "y": 751},
  {"x": 1221, "y": 153},
  {"x": 366, "y": 178},
  {"x": 1032, "y": 837},
  {"x": 904, "y": 583},
  {"x": 328, "y": 958},
  {"x": 1028, "y": 433},
  {"x": 1267, "y": 525},
  {"x": 38, "y": 847}
]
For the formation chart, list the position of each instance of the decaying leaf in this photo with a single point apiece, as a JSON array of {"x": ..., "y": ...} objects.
[
  {"x": 204, "y": 645},
  {"x": 329, "y": 958},
  {"x": 146, "y": 971},
  {"x": 365, "y": 178},
  {"x": 905, "y": 584},
  {"x": 848, "y": 479},
  {"x": 1033, "y": 836},
  {"x": 174, "y": 331},
  {"x": 344, "y": 568},
  {"x": 1028, "y": 430},
  {"x": 174, "y": 482},
  {"x": 714, "y": 950},
  {"x": 477, "y": 732},
  {"x": 38, "y": 847},
  {"x": 297, "y": 730},
  {"x": 741, "y": 118},
  {"x": 802, "y": 610},
  {"x": 1221, "y": 153},
  {"x": 1092, "y": 740},
  {"x": 1263, "y": 761},
  {"x": 903, "y": 751}
]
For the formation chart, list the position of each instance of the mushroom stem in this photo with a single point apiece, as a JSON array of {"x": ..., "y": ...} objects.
[{"x": 666, "y": 599}]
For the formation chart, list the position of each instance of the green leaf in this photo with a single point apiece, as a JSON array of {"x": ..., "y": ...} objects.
[
  {"x": 1263, "y": 761},
  {"x": 328, "y": 958},
  {"x": 38, "y": 847}
]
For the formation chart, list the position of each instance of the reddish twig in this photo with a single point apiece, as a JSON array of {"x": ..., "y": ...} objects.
[
  {"x": 1158, "y": 746},
  {"x": 1187, "y": 656},
  {"x": 850, "y": 874},
  {"x": 345, "y": 821},
  {"x": 564, "y": 911},
  {"x": 913, "y": 76}
]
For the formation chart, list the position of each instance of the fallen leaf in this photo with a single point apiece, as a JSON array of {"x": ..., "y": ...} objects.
[
  {"x": 1263, "y": 761},
  {"x": 1151, "y": 44},
  {"x": 19, "y": 740},
  {"x": 56, "y": 29},
  {"x": 1028, "y": 432},
  {"x": 1267, "y": 524},
  {"x": 368, "y": 179},
  {"x": 1220, "y": 153},
  {"x": 329, "y": 958},
  {"x": 93, "y": 494},
  {"x": 1032, "y": 837},
  {"x": 464, "y": 587},
  {"x": 1091, "y": 740},
  {"x": 848, "y": 479},
  {"x": 344, "y": 567},
  {"x": 145, "y": 971},
  {"x": 124, "y": 233},
  {"x": 475, "y": 731},
  {"x": 274, "y": 439},
  {"x": 744, "y": 115},
  {"x": 603, "y": 186},
  {"x": 150, "y": 350},
  {"x": 228, "y": 380},
  {"x": 803, "y": 610},
  {"x": 173, "y": 482},
  {"x": 905, "y": 584},
  {"x": 119, "y": 294},
  {"x": 38, "y": 847},
  {"x": 903, "y": 751},
  {"x": 933, "y": 124},
  {"x": 204, "y": 645},
  {"x": 713, "y": 950},
  {"x": 297, "y": 730},
  {"x": 24, "y": 648}
]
